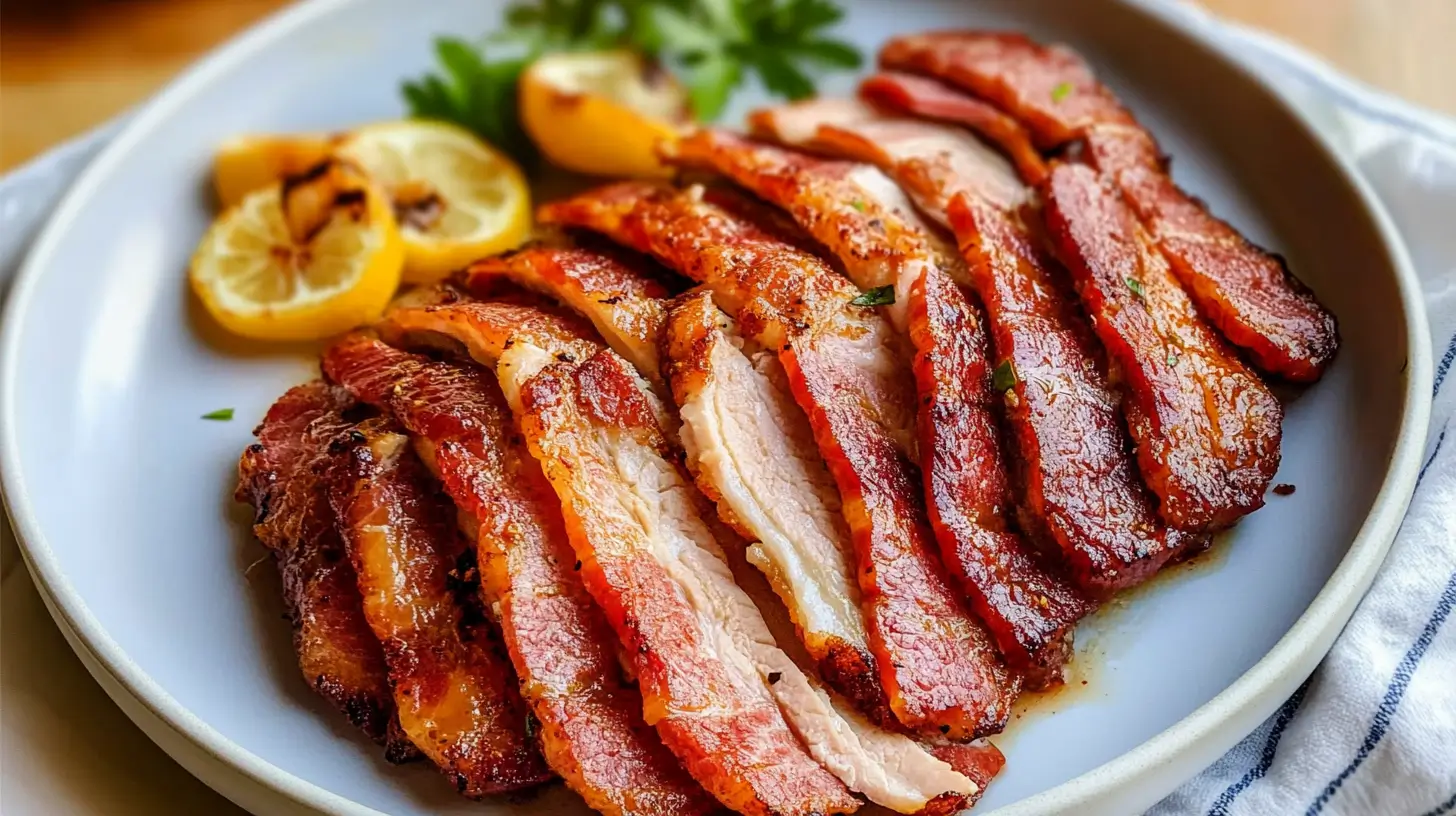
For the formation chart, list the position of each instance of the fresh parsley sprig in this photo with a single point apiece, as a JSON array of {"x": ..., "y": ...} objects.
[{"x": 711, "y": 44}]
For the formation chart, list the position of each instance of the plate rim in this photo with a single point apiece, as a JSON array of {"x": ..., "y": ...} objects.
[{"x": 1295, "y": 654}]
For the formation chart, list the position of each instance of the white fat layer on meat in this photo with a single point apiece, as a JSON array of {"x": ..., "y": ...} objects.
[
  {"x": 797, "y": 124},
  {"x": 649, "y": 493},
  {"x": 743, "y": 431},
  {"x": 967, "y": 162}
]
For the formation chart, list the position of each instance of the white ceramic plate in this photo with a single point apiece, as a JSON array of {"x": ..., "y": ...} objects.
[{"x": 121, "y": 494}]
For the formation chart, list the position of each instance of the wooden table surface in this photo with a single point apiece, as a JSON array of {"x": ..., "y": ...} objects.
[{"x": 66, "y": 65}]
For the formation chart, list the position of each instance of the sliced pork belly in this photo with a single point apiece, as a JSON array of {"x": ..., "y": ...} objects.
[
  {"x": 285, "y": 476},
  {"x": 456, "y": 693},
  {"x": 1109, "y": 545},
  {"x": 751, "y": 450},
  {"x": 890, "y": 771},
  {"x": 1029, "y": 610},
  {"x": 979, "y": 760},
  {"x": 937, "y": 662},
  {"x": 565, "y": 654},
  {"x": 1249, "y": 294},
  {"x": 1207, "y": 430},
  {"x": 623, "y": 302},
  {"x": 931, "y": 99}
]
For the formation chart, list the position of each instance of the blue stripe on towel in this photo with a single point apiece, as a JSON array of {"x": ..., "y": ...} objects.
[
  {"x": 1393, "y": 694},
  {"x": 1266, "y": 757},
  {"x": 1444, "y": 367},
  {"x": 1445, "y": 807},
  {"x": 1440, "y": 440}
]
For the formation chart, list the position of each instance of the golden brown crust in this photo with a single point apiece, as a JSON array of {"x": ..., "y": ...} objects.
[
  {"x": 729, "y": 734},
  {"x": 614, "y": 292},
  {"x": 284, "y": 476},
  {"x": 937, "y": 663},
  {"x": 1248, "y": 293},
  {"x": 1207, "y": 430},
  {"x": 1080, "y": 489},
  {"x": 565, "y": 654},
  {"x": 454, "y": 688},
  {"x": 1030, "y": 611}
]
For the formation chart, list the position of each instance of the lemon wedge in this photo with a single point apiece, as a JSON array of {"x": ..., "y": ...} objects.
[
  {"x": 455, "y": 199},
  {"x": 247, "y": 163},
  {"x": 306, "y": 258},
  {"x": 602, "y": 113}
]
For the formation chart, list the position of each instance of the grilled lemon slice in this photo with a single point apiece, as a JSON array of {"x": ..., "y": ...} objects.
[
  {"x": 309, "y": 257},
  {"x": 247, "y": 163},
  {"x": 455, "y": 198}
]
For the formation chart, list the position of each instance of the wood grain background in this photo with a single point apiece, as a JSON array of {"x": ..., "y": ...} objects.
[{"x": 66, "y": 65}]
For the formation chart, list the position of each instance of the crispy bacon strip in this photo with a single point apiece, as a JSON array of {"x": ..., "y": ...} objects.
[
  {"x": 1207, "y": 430},
  {"x": 284, "y": 476},
  {"x": 623, "y": 302},
  {"x": 1249, "y": 294},
  {"x": 564, "y": 653},
  {"x": 1038, "y": 335},
  {"x": 936, "y": 661},
  {"x": 1028, "y": 610},
  {"x": 928, "y": 98},
  {"x": 457, "y": 696}
]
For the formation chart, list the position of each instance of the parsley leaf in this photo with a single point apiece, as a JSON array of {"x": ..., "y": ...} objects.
[
  {"x": 878, "y": 296},
  {"x": 475, "y": 94},
  {"x": 1062, "y": 91},
  {"x": 1004, "y": 377},
  {"x": 1136, "y": 287},
  {"x": 220, "y": 415}
]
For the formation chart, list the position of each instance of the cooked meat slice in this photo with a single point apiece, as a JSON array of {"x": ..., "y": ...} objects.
[
  {"x": 902, "y": 762},
  {"x": 284, "y": 476},
  {"x": 640, "y": 538},
  {"x": 1030, "y": 611},
  {"x": 1049, "y": 89},
  {"x": 853, "y": 209},
  {"x": 797, "y": 123},
  {"x": 565, "y": 654},
  {"x": 1031, "y": 313},
  {"x": 1249, "y": 294},
  {"x": 456, "y": 694},
  {"x": 943, "y": 152},
  {"x": 936, "y": 661},
  {"x": 931, "y": 99},
  {"x": 931, "y": 162},
  {"x": 751, "y": 450},
  {"x": 651, "y": 561},
  {"x": 1079, "y": 482},
  {"x": 1207, "y": 430},
  {"x": 624, "y": 303}
]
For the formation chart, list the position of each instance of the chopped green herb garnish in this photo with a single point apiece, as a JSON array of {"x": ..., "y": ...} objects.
[
  {"x": 221, "y": 415},
  {"x": 858, "y": 205},
  {"x": 878, "y": 296},
  {"x": 1172, "y": 357},
  {"x": 1136, "y": 287},
  {"x": 1004, "y": 377},
  {"x": 712, "y": 45},
  {"x": 1061, "y": 92}
]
